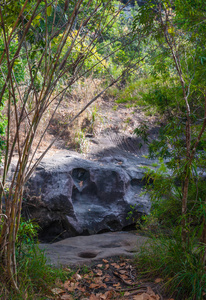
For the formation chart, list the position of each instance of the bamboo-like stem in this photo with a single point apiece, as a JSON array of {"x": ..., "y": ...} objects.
[{"x": 53, "y": 69}]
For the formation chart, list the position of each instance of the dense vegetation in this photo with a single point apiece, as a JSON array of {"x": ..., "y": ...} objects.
[{"x": 156, "y": 53}]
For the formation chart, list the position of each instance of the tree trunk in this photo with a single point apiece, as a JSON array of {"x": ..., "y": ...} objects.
[{"x": 203, "y": 239}]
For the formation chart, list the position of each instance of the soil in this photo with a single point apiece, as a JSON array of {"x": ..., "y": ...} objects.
[{"x": 105, "y": 128}]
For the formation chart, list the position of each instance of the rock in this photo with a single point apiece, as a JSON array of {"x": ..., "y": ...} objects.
[
  {"x": 68, "y": 195},
  {"x": 81, "y": 250}
]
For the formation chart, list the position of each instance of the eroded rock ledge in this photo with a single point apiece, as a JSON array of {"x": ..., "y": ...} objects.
[{"x": 69, "y": 195}]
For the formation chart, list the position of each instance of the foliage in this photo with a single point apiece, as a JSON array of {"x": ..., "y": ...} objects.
[
  {"x": 46, "y": 47},
  {"x": 177, "y": 189},
  {"x": 178, "y": 94},
  {"x": 180, "y": 268},
  {"x": 27, "y": 235},
  {"x": 36, "y": 277},
  {"x": 18, "y": 71},
  {"x": 119, "y": 40},
  {"x": 166, "y": 193},
  {"x": 18, "y": 68},
  {"x": 91, "y": 62}
]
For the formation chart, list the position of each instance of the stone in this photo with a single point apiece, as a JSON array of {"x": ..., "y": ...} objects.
[
  {"x": 69, "y": 195},
  {"x": 84, "y": 250}
]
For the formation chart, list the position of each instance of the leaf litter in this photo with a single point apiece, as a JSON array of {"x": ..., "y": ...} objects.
[{"x": 106, "y": 280}]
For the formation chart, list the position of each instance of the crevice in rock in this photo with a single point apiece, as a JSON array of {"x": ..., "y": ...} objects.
[
  {"x": 137, "y": 182},
  {"x": 80, "y": 174},
  {"x": 87, "y": 254},
  {"x": 130, "y": 227}
]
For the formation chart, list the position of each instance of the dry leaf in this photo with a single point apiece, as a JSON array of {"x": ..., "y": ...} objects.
[
  {"x": 105, "y": 261},
  {"x": 98, "y": 284},
  {"x": 97, "y": 280},
  {"x": 67, "y": 269},
  {"x": 146, "y": 296},
  {"x": 117, "y": 285},
  {"x": 81, "y": 183},
  {"x": 101, "y": 296},
  {"x": 125, "y": 277},
  {"x": 105, "y": 296},
  {"x": 122, "y": 264},
  {"x": 99, "y": 273},
  {"x": 94, "y": 285},
  {"x": 77, "y": 276},
  {"x": 150, "y": 291},
  {"x": 154, "y": 297},
  {"x": 109, "y": 294},
  {"x": 122, "y": 271},
  {"x": 115, "y": 265},
  {"x": 106, "y": 266},
  {"x": 127, "y": 267},
  {"x": 128, "y": 259},
  {"x": 129, "y": 282},
  {"x": 67, "y": 284},
  {"x": 107, "y": 279},
  {"x": 71, "y": 289},
  {"x": 66, "y": 297},
  {"x": 58, "y": 282},
  {"x": 158, "y": 280},
  {"x": 143, "y": 296},
  {"x": 126, "y": 294},
  {"x": 99, "y": 265},
  {"x": 57, "y": 291},
  {"x": 72, "y": 286},
  {"x": 82, "y": 289},
  {"x": 93, "y": 297}
]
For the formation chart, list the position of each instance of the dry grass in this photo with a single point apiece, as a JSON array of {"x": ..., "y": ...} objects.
[
  {"x": 103, "y": 115},
  {"x": 73, "y": 136}
]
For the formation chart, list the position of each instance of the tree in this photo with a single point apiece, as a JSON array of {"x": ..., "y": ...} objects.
[
  {"x": 52, "y": 41},
  {"x": 176, "y": 90},
  {"x": 179, "y": 29}
]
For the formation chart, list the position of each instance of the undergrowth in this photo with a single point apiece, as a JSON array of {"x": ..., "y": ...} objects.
[
  {"x": 36, "y": 277},
  {"x": 181, "y": 265},
  {"x": 181, "y": 269}
]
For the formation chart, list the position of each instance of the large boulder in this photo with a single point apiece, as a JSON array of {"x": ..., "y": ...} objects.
[{"x": 68, "y": 195}]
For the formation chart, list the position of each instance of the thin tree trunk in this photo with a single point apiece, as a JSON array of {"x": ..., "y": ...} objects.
[{"x": 203, "y": 238}]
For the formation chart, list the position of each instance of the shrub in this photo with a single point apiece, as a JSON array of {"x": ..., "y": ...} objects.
[
  {"x": 36, "y": 277},
  {"x": 181, "y": 269}
]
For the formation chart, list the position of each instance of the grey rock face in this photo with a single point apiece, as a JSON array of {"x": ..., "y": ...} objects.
[
  {"x": 81, "y": 250},
  {"x": 69, "y": 196}
]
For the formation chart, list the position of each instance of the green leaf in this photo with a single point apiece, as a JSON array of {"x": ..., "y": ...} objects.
[{"x": 49, "y": 10}]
